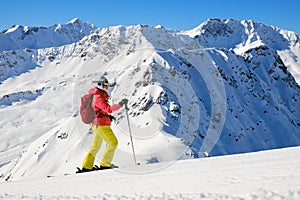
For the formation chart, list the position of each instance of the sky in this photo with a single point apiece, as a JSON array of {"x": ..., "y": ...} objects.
[{"x": 172, "y": 14}]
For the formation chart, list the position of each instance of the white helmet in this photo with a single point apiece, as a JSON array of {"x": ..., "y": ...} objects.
[{"x": 103, "y": 81}]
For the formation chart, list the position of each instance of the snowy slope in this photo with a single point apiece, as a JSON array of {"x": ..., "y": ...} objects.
[
  {"x": 262, "y": 175},
  {"x": 190, "y": 93}
]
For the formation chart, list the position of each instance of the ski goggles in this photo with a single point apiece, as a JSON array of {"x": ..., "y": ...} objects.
[{"x": 106, "y": 83}]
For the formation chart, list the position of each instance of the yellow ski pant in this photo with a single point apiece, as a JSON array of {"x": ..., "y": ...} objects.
[{"x": 101, "y": 133}]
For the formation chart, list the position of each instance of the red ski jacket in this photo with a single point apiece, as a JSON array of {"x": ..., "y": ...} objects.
[{"x": 102, "y": 108}]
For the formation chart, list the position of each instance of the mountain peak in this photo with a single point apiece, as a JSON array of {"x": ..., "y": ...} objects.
[
  {"x": 233, "y": 34},
  {"x": 75, "y": 20},
  {"x": 21, "y": 37}
]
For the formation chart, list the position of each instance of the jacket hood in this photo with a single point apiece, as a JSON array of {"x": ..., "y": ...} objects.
[{"x": 99, "y": 91}]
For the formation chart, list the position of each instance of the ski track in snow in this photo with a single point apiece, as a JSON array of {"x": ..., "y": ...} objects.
[{"x": 273, "y": 174}]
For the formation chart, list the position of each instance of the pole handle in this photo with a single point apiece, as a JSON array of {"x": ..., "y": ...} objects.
[{"x": 126, "y": 107}]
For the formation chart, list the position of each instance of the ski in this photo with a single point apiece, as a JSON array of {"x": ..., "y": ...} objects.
[
  {"x": 79, "y": 170},
  {"x": 95, "y": 168}
]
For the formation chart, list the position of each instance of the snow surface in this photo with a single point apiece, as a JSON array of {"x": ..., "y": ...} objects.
[
  {"x": 225, "y": 87},
  {"x": 262, "y": 175}
]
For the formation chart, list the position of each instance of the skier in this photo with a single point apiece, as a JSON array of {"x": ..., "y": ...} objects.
[{"x": 101, "y": 128}]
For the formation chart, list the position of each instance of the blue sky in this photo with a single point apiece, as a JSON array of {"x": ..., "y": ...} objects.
[{"x": 172, "y": 14}]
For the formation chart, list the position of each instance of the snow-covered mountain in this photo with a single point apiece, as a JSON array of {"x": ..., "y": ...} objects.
[
  {"x": 21, "y": 37},
  {"x": 225, "y": 87},
  {"x": 244, "y": 35}
]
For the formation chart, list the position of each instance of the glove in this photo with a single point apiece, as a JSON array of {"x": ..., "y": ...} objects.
[
  {"x": 111, "y": 117},
  {"x": 123, "y": 102}
]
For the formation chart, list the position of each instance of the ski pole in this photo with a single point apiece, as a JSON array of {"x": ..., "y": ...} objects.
[{"x": 126, "y": 108}]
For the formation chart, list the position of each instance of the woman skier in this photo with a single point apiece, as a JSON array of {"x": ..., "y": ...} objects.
[{"x": 101, "y": 128}]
